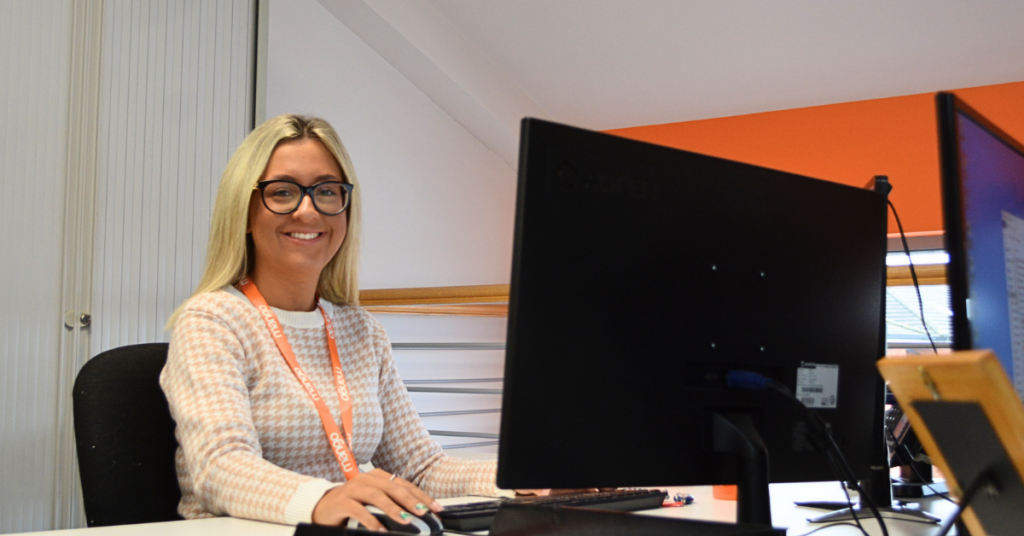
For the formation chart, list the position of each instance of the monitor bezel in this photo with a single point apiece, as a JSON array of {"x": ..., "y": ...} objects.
[{"x": 948, "y": 105}]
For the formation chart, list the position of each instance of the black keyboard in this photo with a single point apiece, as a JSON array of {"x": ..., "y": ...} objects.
[{"x": 479, "y": 515}]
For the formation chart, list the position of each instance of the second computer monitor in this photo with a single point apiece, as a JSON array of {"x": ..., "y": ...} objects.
[
  {"x": 642, "y": 275},
  {"x": 983, "y": 199}
]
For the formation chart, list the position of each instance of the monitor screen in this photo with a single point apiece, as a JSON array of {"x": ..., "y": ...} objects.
[
  {"x": 643, "y": 274},
  {"x": 983, "y": 199}
]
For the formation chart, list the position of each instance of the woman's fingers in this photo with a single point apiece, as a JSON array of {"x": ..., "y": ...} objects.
[
  {"x": 371, "y": 495},
  {"x": 572, "y": 490},
  {"x": 413, "y": 498},
  {"x": 407, "y": 494},
  {"x": 363, "y": 516},
  {"x": 395, "y": 497},
  {"x": 531, "y": 492},
  {"x": 528, "y": 492},
  {"x": 336, "y": 506}
]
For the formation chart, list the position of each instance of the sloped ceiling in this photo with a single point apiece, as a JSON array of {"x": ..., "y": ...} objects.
[{"x": 604, "y": 64}]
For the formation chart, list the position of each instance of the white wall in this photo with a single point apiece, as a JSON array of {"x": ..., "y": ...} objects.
[{"x": 438, "y": 205}]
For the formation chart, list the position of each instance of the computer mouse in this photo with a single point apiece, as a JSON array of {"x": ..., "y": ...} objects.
[{"x": 426, "y": 524}]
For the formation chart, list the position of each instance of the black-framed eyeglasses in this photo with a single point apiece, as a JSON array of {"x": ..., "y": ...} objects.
[{"x": 282, "y": 196}]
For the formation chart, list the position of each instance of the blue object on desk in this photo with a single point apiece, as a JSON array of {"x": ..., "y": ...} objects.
[{"x": 683, "y": 498}]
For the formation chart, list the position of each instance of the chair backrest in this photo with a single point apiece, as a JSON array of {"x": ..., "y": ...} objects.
[{"x": 125, "y": 438}]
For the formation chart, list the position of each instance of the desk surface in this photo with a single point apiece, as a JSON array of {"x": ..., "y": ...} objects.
[{"x": 784, "y": 514}]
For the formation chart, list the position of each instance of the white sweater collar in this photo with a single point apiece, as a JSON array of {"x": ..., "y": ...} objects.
[{"x": 294, "y": 319}]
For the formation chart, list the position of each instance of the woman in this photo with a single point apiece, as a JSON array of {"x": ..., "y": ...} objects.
[{"x": 279, "y": 384}]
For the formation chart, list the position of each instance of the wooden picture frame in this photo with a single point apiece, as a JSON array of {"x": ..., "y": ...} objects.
[{"x": 947, "y": 399}]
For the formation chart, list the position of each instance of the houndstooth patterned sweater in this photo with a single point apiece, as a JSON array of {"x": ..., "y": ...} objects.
[{"x": 251, "y": 443}]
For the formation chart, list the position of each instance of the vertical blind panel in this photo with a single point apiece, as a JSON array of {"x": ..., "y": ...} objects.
[
  {"x": 176, "y": 99},
  {"x": 35, "y": 47}
]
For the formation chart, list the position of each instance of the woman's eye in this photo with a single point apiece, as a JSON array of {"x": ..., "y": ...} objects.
[
  {"x": 329, "y": 190},
  {"x": 281, "y": 193}
]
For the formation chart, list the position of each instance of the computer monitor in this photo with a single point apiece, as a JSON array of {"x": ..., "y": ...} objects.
[
  {"x": 983, "y": 200},
  {"x": 642, "y": 274}
]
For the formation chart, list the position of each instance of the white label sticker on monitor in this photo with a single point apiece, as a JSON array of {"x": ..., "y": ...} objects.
[{"x": 817, "y": 385}]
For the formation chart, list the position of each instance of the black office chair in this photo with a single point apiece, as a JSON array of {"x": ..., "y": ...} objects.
[{"x": 125, "y": 438}]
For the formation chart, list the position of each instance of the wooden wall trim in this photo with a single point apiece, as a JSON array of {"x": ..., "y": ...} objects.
[
  {"x": 464, "y": 309},
  {"x": 434, "y": 295},
  {"x": 492, "y": 300}
]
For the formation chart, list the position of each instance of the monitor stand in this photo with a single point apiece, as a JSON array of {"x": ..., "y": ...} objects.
[
  {"x": 916, "y": 482},
  {"x": 735, "y": 432},
  {"x": 879, "y": 487}
]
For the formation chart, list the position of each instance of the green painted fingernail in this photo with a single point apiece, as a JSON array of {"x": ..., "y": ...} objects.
[
  {"x": 405, "y": 515},
  {"x": 421, "y": 506}
]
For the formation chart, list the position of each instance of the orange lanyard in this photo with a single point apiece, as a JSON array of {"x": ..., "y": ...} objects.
[{"x": 339, "y": 445}]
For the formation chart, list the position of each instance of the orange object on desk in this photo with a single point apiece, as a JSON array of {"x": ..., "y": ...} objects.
[{"x": 724, "y": 493}]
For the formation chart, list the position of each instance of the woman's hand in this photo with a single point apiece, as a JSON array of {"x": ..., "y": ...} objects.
[{"x": 394, "y": 497}]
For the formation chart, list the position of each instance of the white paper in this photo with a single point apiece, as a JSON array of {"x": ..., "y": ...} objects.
[{"x": 1013, "y": 251}]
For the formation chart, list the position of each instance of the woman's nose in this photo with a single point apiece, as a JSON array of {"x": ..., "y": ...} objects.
[{"x": 306, "y": 210}]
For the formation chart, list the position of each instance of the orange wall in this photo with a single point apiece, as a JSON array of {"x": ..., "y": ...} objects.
[{"x": 849, "y": 143}]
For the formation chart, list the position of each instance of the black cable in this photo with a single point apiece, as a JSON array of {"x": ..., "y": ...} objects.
[
  {"x": 910, "y": 456},
  {"x": 864, "y": 497},
  {"x": 819, "y": 426},
  {"x": 843, "y": 485},
  {"x": 982, "y": 479},
  {"x": 913, "y": 275},
  {"x": 830, "y": 525},
  {"x": 849, "y": 501}
]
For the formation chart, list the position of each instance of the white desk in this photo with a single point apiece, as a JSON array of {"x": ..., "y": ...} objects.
[
  {"x": 784, "y": 514},
  {"x": 217, "y": 526}
]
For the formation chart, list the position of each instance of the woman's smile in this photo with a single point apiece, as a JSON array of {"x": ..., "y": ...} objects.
[{"x": 304, "y": 237}]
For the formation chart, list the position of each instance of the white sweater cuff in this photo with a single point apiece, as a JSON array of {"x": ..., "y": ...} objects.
[{"x": 304, "y": 500}]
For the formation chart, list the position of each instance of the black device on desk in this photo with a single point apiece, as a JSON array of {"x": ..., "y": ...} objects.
[
  {"x": 641, "y": 276},
  {"x": 522, "y": 520},
  {"x": 480, "y": 515},
  {"x": 427, "y": 524},
  {"x": 906, "y": 452}
]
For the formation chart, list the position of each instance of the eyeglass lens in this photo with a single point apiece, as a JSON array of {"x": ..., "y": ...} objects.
[{"x": 284, "y": 197}]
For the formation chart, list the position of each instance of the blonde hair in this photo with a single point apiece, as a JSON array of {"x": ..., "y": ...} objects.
[{"x": 230, "y": 254}]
